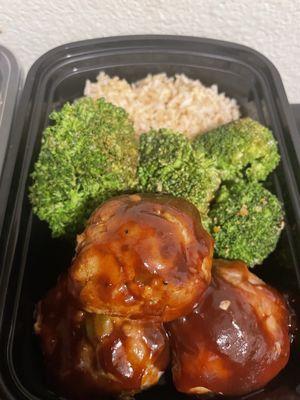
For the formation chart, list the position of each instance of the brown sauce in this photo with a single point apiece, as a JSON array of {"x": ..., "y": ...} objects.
[
  {"x": 87, "y": 355},
  {"x": 228, "y": 345},
  {"x": 142, "y": 256}
]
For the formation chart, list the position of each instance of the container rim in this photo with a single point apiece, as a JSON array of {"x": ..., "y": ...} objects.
[
  {"x": 13, "y": 82},
  {"x": 130, "y": 41},
  {"x": 148, "y": 37},
  {"x": 11, "y": 87}
]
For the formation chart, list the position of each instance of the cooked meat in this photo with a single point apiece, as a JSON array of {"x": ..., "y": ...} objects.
[
  {"x": 236, "y": 340},
  {"x": 142, "y": 256},
  {"x": 87, "y": 355}
]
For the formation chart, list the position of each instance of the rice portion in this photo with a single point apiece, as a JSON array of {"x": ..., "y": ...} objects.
[{"x": 159, "y": 101}]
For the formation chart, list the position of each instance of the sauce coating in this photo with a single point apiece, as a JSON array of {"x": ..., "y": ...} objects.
[
  {"x": 236, "y": 340},
  {"x": 88, "y": 355},
  {"x": 142, "y": 256}
]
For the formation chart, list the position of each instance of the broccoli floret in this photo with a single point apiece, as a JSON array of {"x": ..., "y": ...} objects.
[
  {"x": 241, "y": 148},
  {"x": 169, "y": 164},
  {"x": 87, "y": 155},
  {"x": 246, "y": 222}
]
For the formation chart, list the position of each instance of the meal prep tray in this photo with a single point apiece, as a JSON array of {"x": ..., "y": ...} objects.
[
  {"x": 31, "y": 261},
  {"x": 10, "y": 85}
]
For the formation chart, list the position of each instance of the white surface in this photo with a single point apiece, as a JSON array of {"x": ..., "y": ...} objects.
[{"x": 31, "y": 27}]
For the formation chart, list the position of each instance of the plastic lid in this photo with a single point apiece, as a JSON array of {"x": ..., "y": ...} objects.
[{"x": 10, "y": 78}]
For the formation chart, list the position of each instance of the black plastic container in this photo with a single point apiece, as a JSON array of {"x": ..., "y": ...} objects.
[
  {"x": 31, "y": 260},
  {"x": 10, "y": 86}
]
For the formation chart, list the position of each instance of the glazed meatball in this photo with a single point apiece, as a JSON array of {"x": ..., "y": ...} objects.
[
  {"x": 142, "y": 256},
  {"x": 236, "y": 340},
  {"x": 88, "y": 355}
]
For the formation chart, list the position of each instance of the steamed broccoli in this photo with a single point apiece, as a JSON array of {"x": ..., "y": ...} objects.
[
  {"x": 88, "y": 154},
  {"x": 241, "y": 148},
  {"x": 168, "y": 163},
  {"x": 246, "y": 222}
]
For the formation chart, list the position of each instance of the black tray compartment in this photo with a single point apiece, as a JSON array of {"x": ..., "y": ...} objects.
[{"x": 31, "y": 261}]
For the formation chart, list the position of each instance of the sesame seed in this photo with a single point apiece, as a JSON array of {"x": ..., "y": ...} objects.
[{"x": 224, "y": 305}]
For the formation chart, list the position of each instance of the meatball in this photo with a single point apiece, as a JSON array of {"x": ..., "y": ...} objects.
[
  {"x": 87, "y": 355},
  {"x": 236, "y": 340},
  {"x": 142, "y": 256}
]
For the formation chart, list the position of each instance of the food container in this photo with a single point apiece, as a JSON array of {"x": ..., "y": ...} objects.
[
  {"x": 31, "y": 260},
  {"x": 10, "y": 85}
]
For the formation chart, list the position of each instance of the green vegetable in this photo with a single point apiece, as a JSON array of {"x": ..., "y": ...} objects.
[
  {"x": 241, "y": 148},
  {"x": 169, "y": 164},
  {"x": 246, "y": 222},
  {"x": 87, "y": 155}
]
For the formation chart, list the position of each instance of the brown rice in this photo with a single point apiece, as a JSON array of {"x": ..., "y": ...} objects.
[{"x": 159, "y": 101}]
